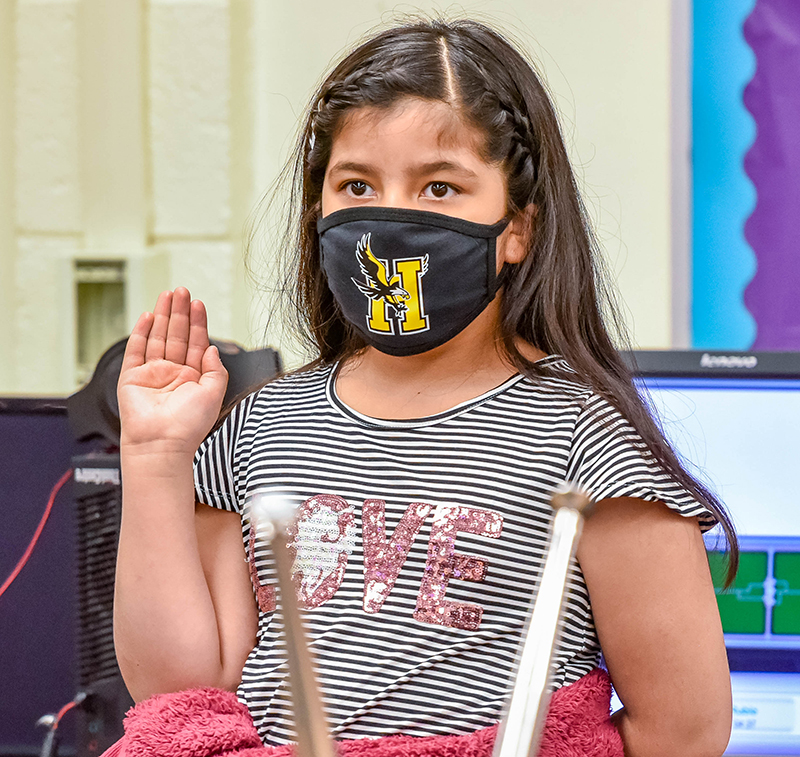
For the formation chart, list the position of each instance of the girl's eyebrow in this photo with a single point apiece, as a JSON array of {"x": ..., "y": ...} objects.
[
  {"x": 444, "y": 165},
  {"x": 420, "y": 170},
  {"x": 352, "y": 167}
]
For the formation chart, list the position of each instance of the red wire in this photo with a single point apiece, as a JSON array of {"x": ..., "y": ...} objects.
[
  {"x": 29, "y": 551},
  {"x": 63, "y": 711}
]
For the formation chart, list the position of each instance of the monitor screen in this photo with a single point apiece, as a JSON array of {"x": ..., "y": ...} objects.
[{"x": 741, "y": 435}]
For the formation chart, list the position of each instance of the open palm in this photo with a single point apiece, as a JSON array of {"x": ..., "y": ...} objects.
[{"x": 172, "y": 382}]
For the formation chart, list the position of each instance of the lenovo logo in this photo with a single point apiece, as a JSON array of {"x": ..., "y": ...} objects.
[
  {"x": 97, "y": 476},
  {"x": 728, "y": 361}
]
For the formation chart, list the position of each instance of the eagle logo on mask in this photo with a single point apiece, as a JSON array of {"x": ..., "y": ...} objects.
[
  {"x": 399, "y": 289},
  {"x": 378, "y": 285}
]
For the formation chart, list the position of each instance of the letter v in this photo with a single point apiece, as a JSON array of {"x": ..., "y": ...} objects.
[{"x": 383, "y": 560}]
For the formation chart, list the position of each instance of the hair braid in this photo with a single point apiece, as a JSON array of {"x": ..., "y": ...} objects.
[{"x": 521, "y": 163}]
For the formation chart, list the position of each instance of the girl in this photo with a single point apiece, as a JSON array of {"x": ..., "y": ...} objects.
[{"x": 446, "y": 281}]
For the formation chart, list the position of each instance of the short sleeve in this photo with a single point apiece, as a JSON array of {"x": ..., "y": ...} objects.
[
  {"x": 216, "y": 461},
  {"x": 609, "y": 459}
]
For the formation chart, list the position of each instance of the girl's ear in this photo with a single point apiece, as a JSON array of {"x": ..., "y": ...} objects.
[{"x": 518, "y": 236}]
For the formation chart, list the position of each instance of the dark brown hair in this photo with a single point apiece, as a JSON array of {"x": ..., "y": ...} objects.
[{"x": 555, "y": 298}]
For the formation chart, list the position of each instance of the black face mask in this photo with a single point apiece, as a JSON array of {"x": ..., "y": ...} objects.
[{"x": 408, "y": 280}]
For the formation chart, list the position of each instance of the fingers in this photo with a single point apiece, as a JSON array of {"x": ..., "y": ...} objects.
[
  {"x": 198, "y": 336},
  {"x": 177, "y": 331},
  {"x": 157, "y": 339},
  {"x": 178, "y": 327},
  {"x": 137, "y": 342}
]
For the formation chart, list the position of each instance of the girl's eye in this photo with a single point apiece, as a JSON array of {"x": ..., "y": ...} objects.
[
  {"x": 357, "y": 188},
  {"x": 439, "y": 189}
]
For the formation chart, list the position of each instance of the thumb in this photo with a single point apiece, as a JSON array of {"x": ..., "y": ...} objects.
[{"x": 213, "y": 374}]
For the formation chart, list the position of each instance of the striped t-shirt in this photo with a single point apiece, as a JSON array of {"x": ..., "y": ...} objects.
[{"x": 419, "y": 543}]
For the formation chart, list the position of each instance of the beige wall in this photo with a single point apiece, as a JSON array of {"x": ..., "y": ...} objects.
[
  {"x": 6, "y": 196},
  {"x": 116, "y": 143},
  {"x": 146, "y": 130}
]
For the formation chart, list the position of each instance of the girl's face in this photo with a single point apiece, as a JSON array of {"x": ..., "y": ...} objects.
[{"x": 419, "y": 155}]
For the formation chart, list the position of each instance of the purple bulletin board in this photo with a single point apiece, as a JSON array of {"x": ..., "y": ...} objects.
[{"x": 746, "y": 175}]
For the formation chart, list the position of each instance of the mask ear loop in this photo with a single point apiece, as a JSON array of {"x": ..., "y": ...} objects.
[
  {"x": 504, "y": 276},
  {"x": 507, "y": 271},
  {"x": 498, "y": 279}
]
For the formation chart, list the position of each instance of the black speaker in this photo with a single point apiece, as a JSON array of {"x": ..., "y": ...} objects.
[{"x": 98, "y": 507}]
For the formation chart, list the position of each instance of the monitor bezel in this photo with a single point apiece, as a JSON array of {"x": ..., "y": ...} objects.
[{"x": 712, "y": 364}]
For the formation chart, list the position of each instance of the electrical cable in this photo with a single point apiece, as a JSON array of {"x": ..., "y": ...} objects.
[
  {"x": 29, "y": 551},
  {"x": 51, "y": 722},
  {"x": 77, "y": 702}
]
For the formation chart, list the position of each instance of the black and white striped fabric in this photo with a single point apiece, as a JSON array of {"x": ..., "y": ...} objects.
[{"x": 431, "y": 653}]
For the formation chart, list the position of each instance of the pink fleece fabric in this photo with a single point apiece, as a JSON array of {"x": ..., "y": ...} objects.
[{"x": 213, "y": 723}]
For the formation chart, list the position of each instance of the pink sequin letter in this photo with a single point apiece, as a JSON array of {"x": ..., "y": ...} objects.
[
  {"x": 444, "y": 563},
  {"x": 264, "y": 594},
  {"x": 384, "y": 559},
  {"x": 321, "y": 540}
]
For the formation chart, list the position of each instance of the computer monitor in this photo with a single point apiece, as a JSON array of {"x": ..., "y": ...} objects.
[{"x": 734, "y": 418}]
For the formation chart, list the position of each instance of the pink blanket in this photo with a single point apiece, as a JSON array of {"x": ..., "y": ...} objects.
[{"x": 213, "y": 723}]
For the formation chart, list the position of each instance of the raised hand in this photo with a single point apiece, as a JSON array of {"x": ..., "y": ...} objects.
[{"x": 172, "y": 382}]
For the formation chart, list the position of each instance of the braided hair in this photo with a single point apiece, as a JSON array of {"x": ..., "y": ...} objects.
[{"x": 555, "y": 299}]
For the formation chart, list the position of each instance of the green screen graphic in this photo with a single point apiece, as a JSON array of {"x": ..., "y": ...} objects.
[
  {"x": 741, "y": 607},
  {"x": 786, "y": 612}
]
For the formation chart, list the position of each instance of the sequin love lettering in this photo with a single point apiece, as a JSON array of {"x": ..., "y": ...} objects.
[
  {"x": 383, "y": 559},
  {"x": 265, "y": 595},
  {"x": 444, "y": 563},
  {"x": 322, "y": 541}
]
